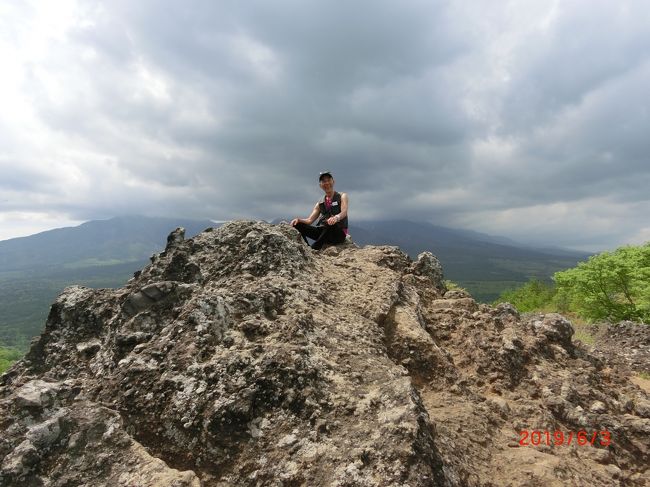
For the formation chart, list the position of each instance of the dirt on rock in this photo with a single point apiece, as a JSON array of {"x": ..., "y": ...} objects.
[{"x": 243, "y": 358}]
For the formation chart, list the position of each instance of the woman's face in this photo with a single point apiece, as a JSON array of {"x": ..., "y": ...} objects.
[{"x": 327, "y": 184}]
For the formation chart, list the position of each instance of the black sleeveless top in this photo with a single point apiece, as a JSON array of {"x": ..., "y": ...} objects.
[{"x": 334, "y": 210}]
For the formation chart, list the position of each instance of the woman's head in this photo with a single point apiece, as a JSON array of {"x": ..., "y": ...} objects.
[{"x": 326, "y": 181}]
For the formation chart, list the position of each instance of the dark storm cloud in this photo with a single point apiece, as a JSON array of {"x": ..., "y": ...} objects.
[
  {"x": 589, "y": 45},
  {"x": 523, "y": 119},
  {"x": 347, "y": 91}
]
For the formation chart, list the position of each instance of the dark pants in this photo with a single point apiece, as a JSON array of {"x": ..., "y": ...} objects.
[{"x": 326, "y": 234}]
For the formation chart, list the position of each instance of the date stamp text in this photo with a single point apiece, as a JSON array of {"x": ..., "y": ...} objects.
[{"x": 561, "y": 438}]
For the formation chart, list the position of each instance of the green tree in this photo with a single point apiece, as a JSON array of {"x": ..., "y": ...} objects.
[
  {"x": 611, "y": 285},
  {"x": 535, "y": 295},
  {"x": 7, "y": 357}
]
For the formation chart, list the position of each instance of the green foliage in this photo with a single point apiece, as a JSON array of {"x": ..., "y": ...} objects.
[
  {"x": 7, "y": 357},
  {"x": 535, "y": 295},
  {"x": 612, "y": 285}
]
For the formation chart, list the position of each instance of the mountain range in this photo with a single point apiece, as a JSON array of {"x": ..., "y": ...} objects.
[{"x": 105, "y": 253}]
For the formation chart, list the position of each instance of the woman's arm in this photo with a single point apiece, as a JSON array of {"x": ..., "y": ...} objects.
[{"x": 310, "y": 219}]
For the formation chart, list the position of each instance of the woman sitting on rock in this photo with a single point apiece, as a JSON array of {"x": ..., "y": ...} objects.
[{"x": 332, "y": 226}]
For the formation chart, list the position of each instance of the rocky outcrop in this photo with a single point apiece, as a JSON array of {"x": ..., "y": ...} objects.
[
  {"x": 242, "y": 357},
  {"x": 625, "y": 344}
]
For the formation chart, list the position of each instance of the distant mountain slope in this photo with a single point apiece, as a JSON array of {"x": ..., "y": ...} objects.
[
  {"x": 484, "y": 264},
  {"x": 99, "y": 253},
  {"x": 97, "y": 242}
]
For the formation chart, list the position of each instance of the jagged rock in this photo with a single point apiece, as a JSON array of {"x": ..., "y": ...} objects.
[
  {"x": 556, "y": 328},
  {"x": 89, "y": 348},
  {"x": 36, "y": 394},
  {"x": 598, "y": 407},
  {"x": 175, "y": 238},
  {"x": 429, "y": 266},
  {"x": 642, "y": 407},
  {"x": 19, "y": 462},
  {"x": 625, "y": 344},
  {"x": 457, "y": 294},
  {"x": 241, "y": 357},
  {"x": 507, "y": 309}
]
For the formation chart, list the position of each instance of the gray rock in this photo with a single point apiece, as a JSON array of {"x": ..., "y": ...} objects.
[
  {"x": 500, "y": 405},
  {"x": 37, "y": 394},
  {"x": 43, "y": 435},
  {"x": 598, "y": 407},
  {"x": 457, "y": 294},
  {"x": 147, "y": 296},
  {"x": 287, "y": 440},
  {"x": 614, "y": 471},
  {"x": 20, "y": 461},
  {"x": 556, "y": 328},
  {"x": 137, "y": 302},
  {"x": 429, "y": 266},
  {"x": 175, "y": 238},
  {"x": 642, "y": 407},
  {"x": 507, "y": 309},
  {"x": 89, "y": 348}
]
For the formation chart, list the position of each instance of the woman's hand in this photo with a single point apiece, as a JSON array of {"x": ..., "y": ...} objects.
[
  {"x": 333, "y": 220},
  {"x": 294, "y": 222}
]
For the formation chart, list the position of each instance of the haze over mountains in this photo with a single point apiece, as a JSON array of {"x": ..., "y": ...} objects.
[{"x": 105, "y": 253}]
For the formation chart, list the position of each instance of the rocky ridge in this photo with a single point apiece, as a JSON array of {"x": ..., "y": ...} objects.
[
  {"x": 241, "y": 357},
  {"x": 626, "y": 343}
]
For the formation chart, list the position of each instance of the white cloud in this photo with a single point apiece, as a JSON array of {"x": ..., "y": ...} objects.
[{"x": 22, "y": 224}]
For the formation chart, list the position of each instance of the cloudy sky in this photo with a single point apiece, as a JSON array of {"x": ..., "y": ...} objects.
[{"x": 526, "y": 119}]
